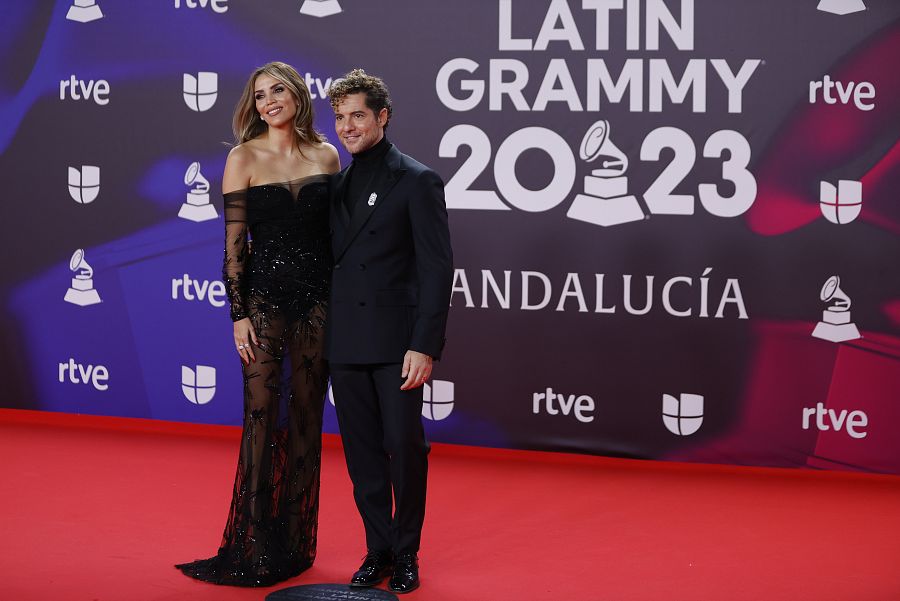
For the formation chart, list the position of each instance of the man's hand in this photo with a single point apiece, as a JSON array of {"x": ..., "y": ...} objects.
[{"x": 416, "y": 369}]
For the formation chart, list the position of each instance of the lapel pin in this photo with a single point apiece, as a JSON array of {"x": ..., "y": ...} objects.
[{"x": 372, "y": 198}]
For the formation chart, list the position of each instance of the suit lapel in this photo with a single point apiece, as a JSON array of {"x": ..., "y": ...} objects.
[
  {"x": 381, "y": 188},
  {"x": 337, "y": 199}
]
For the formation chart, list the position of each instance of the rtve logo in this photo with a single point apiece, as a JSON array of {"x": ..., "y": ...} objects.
[
  {"x": 84, "y": 183},
  {"x": 859, "y": 93},
  {"x": 78, "y": 89},
  {"x": 683, "y": 416},
  {"x": 841, "y": 7},
  {"x": 218, "y": 6},
  {"x": 318, "y": 88},
  {"x": 581, "y": 407},
  {"x": 84, "y": 11},
  {"x": 853, "y": 422},
  {"x": 320, "y": 8},
  {"x": 198, "y": 384},
  {"x": 438, "y": 400},
  {"x": 76, "y": 373},
  {"x": 201, "y": 91},
  {"x": 190, "y": 289}
]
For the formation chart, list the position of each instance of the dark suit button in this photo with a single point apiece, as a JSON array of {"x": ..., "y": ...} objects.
[
  {"x": 372, "y": 232},
  {"x": 331, "y": 232},
  {"x": 362, "y": 304},
  {"x": 338, "y": 266},
  {"x": 362, "y": 267}
]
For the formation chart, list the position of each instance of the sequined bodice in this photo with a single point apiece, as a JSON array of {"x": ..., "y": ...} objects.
[
  {"x": 292, "y": 215},
  {"x": 277, "y": 246}
]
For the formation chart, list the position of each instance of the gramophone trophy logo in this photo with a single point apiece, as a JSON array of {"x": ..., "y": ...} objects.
[
  {"x": 82, "y": 292},
  {"x": 84, "y": 11},
  {"x": 841, "y": 7},
  {"x": 196, "y": 206},
  {"x": 835, "y": 325},
  {"x": 320, "y": 8},
  {"x": 605, "y": 200}
]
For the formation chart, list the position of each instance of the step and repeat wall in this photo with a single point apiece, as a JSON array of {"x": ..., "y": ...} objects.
[{"x": 675, "y": 222}]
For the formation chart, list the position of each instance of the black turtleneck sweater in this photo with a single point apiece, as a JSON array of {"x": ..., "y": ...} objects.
[{"x": 366, "y": 165}]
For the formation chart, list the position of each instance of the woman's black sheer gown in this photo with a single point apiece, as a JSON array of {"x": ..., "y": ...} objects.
[{"x": 282, "y": 285}]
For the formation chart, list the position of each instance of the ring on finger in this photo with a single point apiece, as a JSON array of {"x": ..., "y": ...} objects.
[{"x": 240, "y": 346}]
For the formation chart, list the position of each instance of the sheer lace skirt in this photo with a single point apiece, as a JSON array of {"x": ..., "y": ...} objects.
[{"x": 270, "y": 534}]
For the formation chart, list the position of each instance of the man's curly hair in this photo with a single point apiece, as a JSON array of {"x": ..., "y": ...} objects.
[{"x": 357, "y": 80}]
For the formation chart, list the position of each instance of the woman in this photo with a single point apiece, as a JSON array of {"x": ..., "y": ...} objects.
[{"x": 276, "y": 193}]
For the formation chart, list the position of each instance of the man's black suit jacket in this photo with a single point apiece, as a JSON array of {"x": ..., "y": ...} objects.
[{"x": 393, "y": 265}]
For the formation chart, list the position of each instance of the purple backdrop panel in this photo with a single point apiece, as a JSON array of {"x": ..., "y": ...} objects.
[{"x": 675, "y": 223}]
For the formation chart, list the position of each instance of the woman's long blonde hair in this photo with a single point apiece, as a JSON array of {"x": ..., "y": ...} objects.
[{"x": 247, "y": 123}]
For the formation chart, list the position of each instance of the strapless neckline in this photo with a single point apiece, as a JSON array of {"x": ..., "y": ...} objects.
[{"x": 288, "y": 184}]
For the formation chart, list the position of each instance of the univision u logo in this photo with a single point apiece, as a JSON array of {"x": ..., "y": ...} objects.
[
  {"x": 84, "y": 183},
  {"x": 198, "y": 385},
  {"x": 684, "y": 415},
  {"x": 437, "y": 400},
  {"x": 200, "y": 92},
  {"x": 842, "y": 203}
]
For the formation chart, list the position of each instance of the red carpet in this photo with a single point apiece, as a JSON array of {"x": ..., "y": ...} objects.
[{"x": 100, "y": 508}]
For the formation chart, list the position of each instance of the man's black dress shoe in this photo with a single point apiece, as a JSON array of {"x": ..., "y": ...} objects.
[
  {"x": 375, "y": 567},
  {"x": 406, "y": 573}
]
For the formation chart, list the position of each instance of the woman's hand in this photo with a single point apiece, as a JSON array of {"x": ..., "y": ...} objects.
[{"x": 245, "y": 340}]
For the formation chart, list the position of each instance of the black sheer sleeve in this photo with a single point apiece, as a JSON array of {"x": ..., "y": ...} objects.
[{"x": 236, "y": 251}]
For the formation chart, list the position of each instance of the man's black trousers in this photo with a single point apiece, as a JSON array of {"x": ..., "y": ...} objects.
[{"x": 386, "y": 450}]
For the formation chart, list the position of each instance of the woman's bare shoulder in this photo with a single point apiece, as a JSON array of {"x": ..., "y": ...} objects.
[
  {"x": 239, "y": 167},
  {"x": 245, "y": 152},
  {"x": 326, "y": 155}
]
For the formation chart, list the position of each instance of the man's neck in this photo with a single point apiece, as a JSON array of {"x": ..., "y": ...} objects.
[{"x": 372, "y": 153}]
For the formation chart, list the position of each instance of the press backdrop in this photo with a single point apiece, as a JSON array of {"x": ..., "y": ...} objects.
[{"x": 654, "y": 205}]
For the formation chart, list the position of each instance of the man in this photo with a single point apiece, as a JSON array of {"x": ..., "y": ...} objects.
[{"x": 389, "y": 301}]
